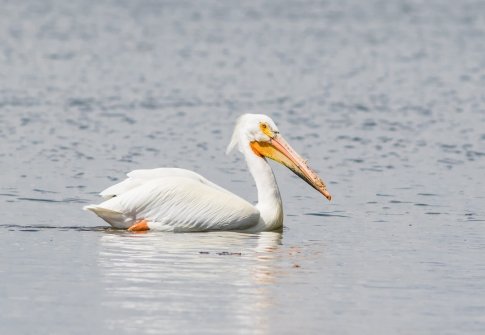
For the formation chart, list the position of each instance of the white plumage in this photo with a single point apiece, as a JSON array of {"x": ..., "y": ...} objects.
[
  {"x": 172, "y": 199},
  {"x": 139, "y": 177},
  {"x": 176, "y": 204}
]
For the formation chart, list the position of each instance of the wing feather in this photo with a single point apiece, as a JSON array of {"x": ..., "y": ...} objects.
[
  {"x": 140, "y": 177},
  {"x": 181, "y": 204}
]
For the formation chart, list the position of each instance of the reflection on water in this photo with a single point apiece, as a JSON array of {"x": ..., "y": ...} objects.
[{"x": 184, "y": 278}]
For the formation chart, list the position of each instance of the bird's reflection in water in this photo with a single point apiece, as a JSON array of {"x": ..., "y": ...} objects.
[{"x": 216, "y": 282}]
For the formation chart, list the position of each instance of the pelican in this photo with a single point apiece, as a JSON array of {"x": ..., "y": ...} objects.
[{"x": 178, "y": 200}]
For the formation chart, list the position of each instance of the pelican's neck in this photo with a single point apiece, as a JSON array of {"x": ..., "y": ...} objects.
[{"x": 269, "y": 204}]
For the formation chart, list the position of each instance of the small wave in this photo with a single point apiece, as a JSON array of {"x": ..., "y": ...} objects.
[
  {"x": 37, "y": 199},
  {"x": 327, "y": 214},
  {"x": 34, "y": 228},
  {"x": 66, "y": 200}
]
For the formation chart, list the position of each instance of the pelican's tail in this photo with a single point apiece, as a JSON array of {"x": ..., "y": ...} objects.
[{"x": 114, "y": 218}]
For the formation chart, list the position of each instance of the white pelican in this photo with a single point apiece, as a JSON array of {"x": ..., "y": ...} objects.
[{"x": 171, "y": 199}]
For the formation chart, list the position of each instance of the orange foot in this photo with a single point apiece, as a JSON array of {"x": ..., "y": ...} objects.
[{"x": 140, "y": 225}]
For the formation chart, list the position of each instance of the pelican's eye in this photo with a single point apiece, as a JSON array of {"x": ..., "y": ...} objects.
[{"x": 266, "y": 129}]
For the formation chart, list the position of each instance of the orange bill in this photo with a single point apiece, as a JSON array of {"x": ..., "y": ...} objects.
[{"x": 280, "y": 151}]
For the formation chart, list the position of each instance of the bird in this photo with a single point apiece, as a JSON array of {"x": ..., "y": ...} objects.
[{"x": 180, "y": 200}]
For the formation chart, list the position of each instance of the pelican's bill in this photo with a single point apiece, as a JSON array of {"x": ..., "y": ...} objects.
[{"x": 280, "y": 151}]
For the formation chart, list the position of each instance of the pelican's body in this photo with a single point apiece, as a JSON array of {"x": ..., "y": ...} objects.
[{"x": 171, "y": 199}]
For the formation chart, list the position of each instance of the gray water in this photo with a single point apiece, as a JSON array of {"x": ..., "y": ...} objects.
[{"x": 385, "y": 98}]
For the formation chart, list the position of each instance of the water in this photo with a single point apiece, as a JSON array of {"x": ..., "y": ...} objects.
[{"x": 385, "y": 98}]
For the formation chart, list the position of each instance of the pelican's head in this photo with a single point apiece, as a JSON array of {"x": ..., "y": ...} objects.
[{"x": 261, "y": 134}]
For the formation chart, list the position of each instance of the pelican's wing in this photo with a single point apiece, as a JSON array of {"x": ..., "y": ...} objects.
[
  {"x": 178, "y": 204},
  {"x": 139, "y": 177}
]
